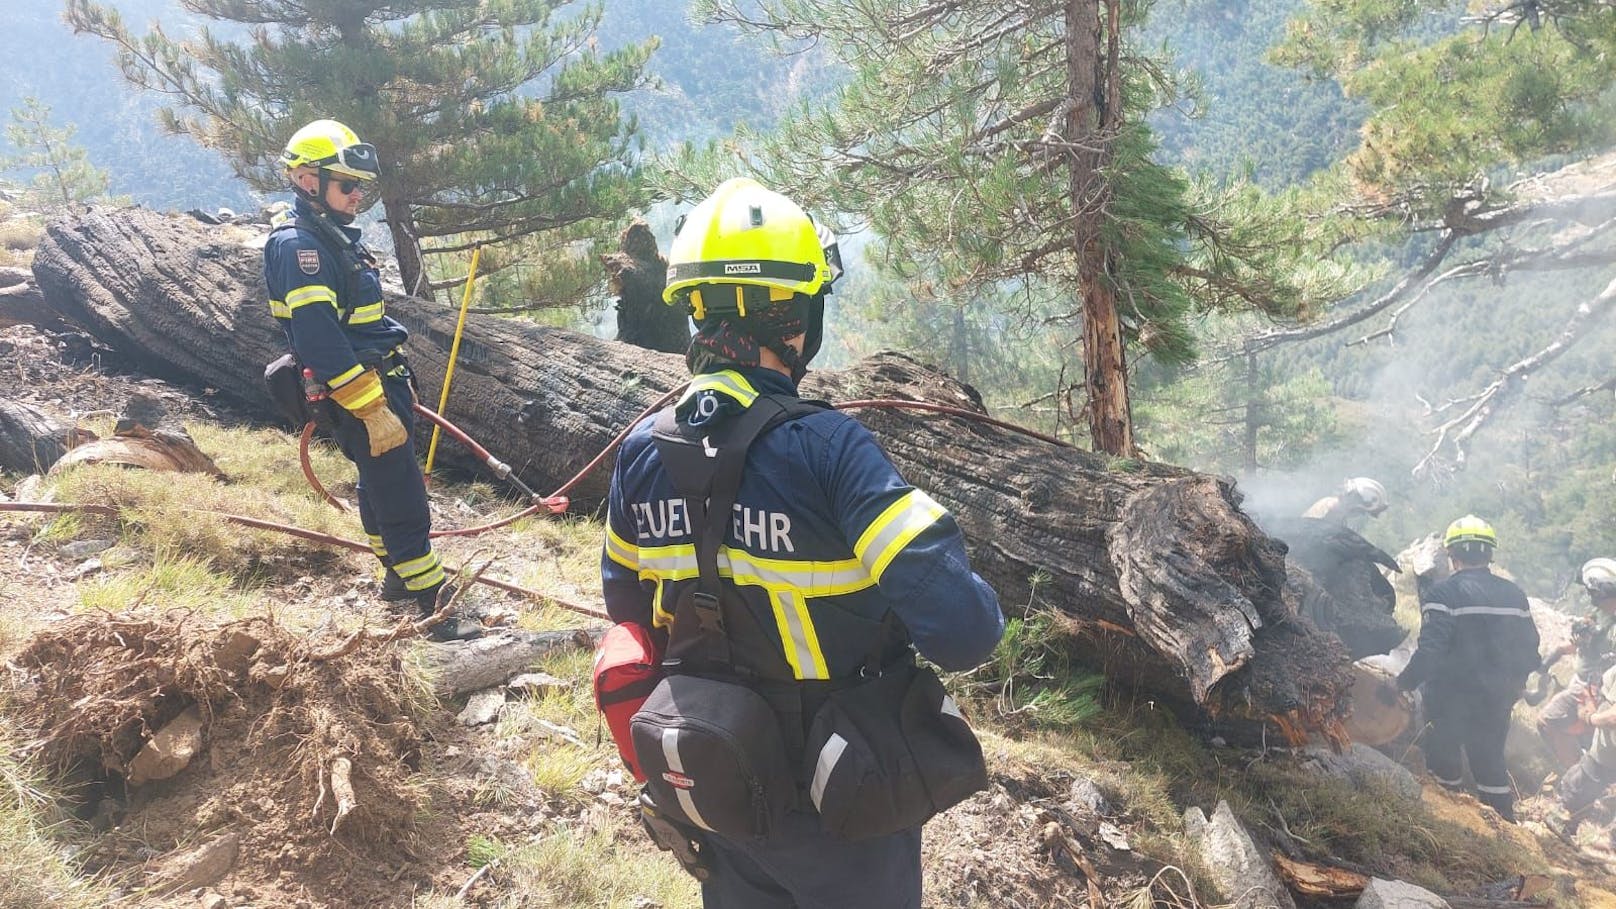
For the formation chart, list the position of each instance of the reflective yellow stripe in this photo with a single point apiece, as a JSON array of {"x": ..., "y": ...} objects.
[
  {"x": 423, "y": 581},
  {"x": 359, "y": 391},
  {"x": 313, "y": 293},
  {"x": 889, "y": 533},
  {"x": 415, "y": 567},
  {"x": 810, "y": 578},
  {"x": 279, "y": 309},
  {"x": 660, "y": 617},
  {"x": 346, "y": 377},
  {"x": 377, "y": 546},
  {"x": 728, "y": 382},
  {"x": 797, "y": 630},
  {"x": 370, "y": 313},
  {"x": 790, "y": 584},
  {"x": 621, "y": 551}
]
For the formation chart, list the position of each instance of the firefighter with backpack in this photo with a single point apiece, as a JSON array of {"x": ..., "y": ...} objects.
[
  {"x": 325, "y": 292},
  {"x": 773, "y": 576}
]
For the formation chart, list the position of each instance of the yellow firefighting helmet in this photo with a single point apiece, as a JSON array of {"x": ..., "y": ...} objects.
[
  {"x": 332, "y": 147},
  {"x": 744, "y": 236},
  {"x": 1468, "y": 533}
]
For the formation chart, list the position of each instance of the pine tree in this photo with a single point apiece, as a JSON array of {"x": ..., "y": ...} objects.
[
  {"x": 996, "y": 143},
  {"x": 62, "y": 172},
  {"x": 496, "y": 120}
]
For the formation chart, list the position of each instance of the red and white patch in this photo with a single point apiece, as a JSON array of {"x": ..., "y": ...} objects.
[
  {"x": 309, "y": 261},
  {"x": 678, "y": 780}
]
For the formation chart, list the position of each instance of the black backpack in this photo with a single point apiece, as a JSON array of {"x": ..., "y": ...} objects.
[{"x": 886, "y": 750}]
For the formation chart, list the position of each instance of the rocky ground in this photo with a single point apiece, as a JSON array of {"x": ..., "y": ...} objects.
[{"x": 288, "y": 773}]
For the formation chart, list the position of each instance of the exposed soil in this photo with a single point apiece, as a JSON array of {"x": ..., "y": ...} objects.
[{"x": 96, "y": 686}]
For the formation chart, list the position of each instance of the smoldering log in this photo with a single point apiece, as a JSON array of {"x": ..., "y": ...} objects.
[{"x": 1163, "y": 583}]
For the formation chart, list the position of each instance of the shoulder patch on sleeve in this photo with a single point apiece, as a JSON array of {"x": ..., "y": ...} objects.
[{"x": 308, "y": 261}]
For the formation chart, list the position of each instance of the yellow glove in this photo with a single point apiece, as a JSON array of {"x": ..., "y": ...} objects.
[
  {"x": 363, "y": 397},
  {"x": 382, "y": 425}
]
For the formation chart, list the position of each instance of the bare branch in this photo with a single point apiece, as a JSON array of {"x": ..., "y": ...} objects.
[{"x": 1458, "y": 431}]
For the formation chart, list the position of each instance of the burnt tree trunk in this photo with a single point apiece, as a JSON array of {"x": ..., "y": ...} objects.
[
  {"x": 637, "y": 273},
  {"x": 1160, "y": 578},
  {"x": 30, "y": 439}
]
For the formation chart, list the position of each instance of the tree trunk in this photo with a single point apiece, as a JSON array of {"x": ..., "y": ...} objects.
[
  {"x": 1090, "y": 123},
  {"x": 1160, "y": 579},
  {"x": 637, "y": 274},
  {"x": 407, "y": 248}
]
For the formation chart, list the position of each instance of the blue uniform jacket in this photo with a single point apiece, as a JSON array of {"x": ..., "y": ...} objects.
[
  {"x": 308, "y": 295},
  {"x": 1476, "y": 630},
  {"x": 826, "y": 538}
]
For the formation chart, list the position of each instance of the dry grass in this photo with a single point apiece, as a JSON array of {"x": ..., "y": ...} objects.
[{"x": 20, "y": 235}]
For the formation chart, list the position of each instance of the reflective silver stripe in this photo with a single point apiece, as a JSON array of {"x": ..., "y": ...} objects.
[
  {"x": 797, "y": 632},
  {"x": 813, "y": 579},
  {"x": 1492, "y": 610},
  {"x": 670, "y": 753},
  {"x": 621, "y": 551},
  {"x": 829, "y": 756},
  {"x": 1444, "y": 782},
  {"x": 952, "y": 709},
  {"x": 1494, "y": 790},
  {"x": 894, "y": 528},
  {"x": 1436, "y": 607}
]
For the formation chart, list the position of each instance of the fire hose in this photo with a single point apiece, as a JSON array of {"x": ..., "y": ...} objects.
[{"x": 555, "y": 503}]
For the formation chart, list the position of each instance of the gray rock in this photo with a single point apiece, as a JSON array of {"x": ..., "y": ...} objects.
[
  {"x": 1362, "y": 765},
  {"x": 83, "y": 549},
  {"x": 1240, "y": 869},
  {"x": 1086, "y": 798},
  {"x": 1398, "y": 895},
  {"x": 482, "y": 707}
]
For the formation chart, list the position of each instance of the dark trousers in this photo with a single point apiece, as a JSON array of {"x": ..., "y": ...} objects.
[
  {"x": 1473, "y": 721},
  {"x": 391, "y": 492},
  {"x": 804, "y": 868}
]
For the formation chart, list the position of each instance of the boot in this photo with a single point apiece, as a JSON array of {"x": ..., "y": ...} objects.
[
  {"x": 393, "y": 589},
  {"x": 452, "y": 628}
]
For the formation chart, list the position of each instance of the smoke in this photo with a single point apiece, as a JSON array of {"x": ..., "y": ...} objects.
[{"x": 1540, "y": 474}]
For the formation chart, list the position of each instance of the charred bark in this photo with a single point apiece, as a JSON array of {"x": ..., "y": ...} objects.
[
  {"x": 30, "y": 439},
  {"x": 1164, "y": 583},
  {"x": 637, "y": 273}
]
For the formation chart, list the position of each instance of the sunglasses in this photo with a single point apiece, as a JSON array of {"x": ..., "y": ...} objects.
[{"x": 347, "y": 187}]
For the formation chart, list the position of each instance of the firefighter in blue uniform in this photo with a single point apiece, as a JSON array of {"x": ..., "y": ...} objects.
[
  {"x": 1477, "y": 645},
  {"x": 826, "y": 538},
  {"x": 325, "y": 293}
]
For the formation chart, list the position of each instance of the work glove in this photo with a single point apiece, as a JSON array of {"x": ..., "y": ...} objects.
[
  {"x": 382, "y": 426},
  {"x": 364, "y": 397}
]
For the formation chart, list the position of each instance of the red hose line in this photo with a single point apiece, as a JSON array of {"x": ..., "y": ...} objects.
[{"x": 308, "y": 468}]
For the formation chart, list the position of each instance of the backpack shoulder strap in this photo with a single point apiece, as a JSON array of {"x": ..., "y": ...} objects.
[{"x": 705, "y": 468}]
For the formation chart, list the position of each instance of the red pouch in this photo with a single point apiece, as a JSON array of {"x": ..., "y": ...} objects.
[{"x": 627, "y": 667}]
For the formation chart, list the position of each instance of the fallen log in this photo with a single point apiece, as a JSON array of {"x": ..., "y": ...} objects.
[
  {"x": 1163, "y": 582},
  {"x": 31, "y": 440},
  {"x": 492, "y": 660}
]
